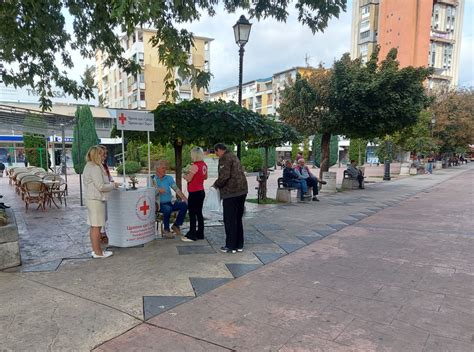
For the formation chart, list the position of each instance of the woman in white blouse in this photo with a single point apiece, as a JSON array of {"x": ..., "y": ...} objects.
[{"x": 97, "y": 186}]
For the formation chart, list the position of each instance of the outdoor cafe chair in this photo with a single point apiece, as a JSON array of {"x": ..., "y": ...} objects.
[
  {"x": 25, "y": 179},
  {"x": 18, "y": 179},
  {"x": 58, "y": 191},
  {"x": 35, "y": 192}
]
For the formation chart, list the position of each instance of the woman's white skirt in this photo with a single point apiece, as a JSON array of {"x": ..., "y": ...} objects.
[{"x": 95, "y": 212}]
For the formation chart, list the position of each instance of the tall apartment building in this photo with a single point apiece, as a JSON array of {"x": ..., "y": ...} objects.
[
  {"x": 425, "y": 33},
  {"x": 118, "y": 89},
  {"x": 262, "y": 95}
]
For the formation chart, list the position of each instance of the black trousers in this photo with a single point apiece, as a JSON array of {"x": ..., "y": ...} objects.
[
  {"x": 360, "y": 178},
  {"x": 195, "y": 202},
  {"x": 311, "y": 182},
  {"x": 234, "y": 229}
]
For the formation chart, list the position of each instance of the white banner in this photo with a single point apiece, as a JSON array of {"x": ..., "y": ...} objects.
[
  {"x": 131, "y": 217},
  {"x": 130, "y": 120}
]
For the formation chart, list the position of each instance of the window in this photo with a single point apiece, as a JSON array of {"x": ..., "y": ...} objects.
[
  {"x": 447, "y": 56},
  {"x": 432, "y": 60},
  {"x": 450, "y": 12},
  {"x": 365, "y": 34},
  {"x": 141, "y": 58},
  {"x": 364, "y": 26},
  {"x": 142, "y": 95},
  {"x": 140, "y": 36},
  {"x": 142, "y": 77},
  {"x": 365, "y": 11},
  {"x": 435, "y": 17},
  {"x": 364, "y": 49},
  {"x": 103, "y": 123}
]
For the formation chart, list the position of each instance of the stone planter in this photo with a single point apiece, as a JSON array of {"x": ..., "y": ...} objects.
[
  {"x": 438, "y": 165},
  {"x": 413, "y": 171},
  {"x": 330, "y": 178},
  {"x": 405, "y": 169},
  {"x": 9, "y": 247}
]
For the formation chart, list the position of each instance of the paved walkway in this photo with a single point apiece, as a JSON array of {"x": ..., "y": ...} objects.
[{"x": 388, "y": 268}]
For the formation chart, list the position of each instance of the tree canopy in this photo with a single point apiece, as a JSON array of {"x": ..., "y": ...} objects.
[
  {"x": 453, "y": 112},
  {"x": 356, "y": 100},
  {"x": 33, "y": 34}
]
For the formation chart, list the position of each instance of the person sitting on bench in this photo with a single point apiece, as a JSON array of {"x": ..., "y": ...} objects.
[
  {"x": 312, "y": 181},
  {"x": 354, "y": 172},
  {"x": 291, "y": 179}
]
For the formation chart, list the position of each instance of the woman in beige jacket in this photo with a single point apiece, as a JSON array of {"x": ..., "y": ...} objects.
[{"x": 97, "y": 186}]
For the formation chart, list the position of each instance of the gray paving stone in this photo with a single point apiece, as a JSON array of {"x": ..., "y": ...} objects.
[
  {"x": 359, "y": 216},
  {"x": 376, "y": 209},
  {"x": 269, "y": 227},
  {"x": 201, "y": 285},
  {"x": 195, "y": 249},
  {"x": 290, "y": 247},
  {"x": 238, "y": 270},
  {"x": 368, "y": 213},
  {"x": 85, "y": 255},
  {"x": 325, "y": 232},
  {"x": 309, "y": 239},
  {"x": 337, "y": 226},
  {"x": 49, "y": 266},
  {"x": 348, "y": 221},
  {"x": 266, "y": 258},
  {"x": 154, "y": 305}
]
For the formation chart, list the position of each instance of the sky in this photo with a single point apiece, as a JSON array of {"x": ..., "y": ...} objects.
[{"x": 274, "y": 46}]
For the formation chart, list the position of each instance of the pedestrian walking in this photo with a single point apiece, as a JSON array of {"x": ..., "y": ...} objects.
[{"x": 232, "y": 184}]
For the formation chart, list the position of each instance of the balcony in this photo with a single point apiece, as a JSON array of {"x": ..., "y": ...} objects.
[
  {"x": 449, "y": 2},
  {"x": 441, "y": 37}
]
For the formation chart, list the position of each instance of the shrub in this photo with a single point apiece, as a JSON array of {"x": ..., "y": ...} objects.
[
  {"x": 252, "y": 160},
  {"x": 131, "y": 167}
]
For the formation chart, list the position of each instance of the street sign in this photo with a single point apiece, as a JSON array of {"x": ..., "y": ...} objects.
[{"x": 129, "y": 120}]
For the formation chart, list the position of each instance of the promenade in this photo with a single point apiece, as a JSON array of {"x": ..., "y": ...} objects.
[{"x": 385, "y": 268}]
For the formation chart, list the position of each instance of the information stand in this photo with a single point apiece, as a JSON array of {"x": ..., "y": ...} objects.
[
  {"x": 131, "y": 217},
  {"x": 131, "y": 212}
]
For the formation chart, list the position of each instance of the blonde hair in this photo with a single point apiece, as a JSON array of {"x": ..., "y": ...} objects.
[
  {"x": 94, "y": 154},
  {"x": 197, "y": 154}
]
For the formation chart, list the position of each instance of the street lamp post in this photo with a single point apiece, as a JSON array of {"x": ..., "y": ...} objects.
[
  {"x": 386, "y": 175},
  {"x": 241, "y": 34},
  {"x": 433, "y": 122}
]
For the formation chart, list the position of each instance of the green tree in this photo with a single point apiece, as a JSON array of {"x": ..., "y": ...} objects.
[
  {"x": 85, "y": 136},
  {"x": 276, "y": 134},
  {"x": 358, "y": 150},
  {"x": 33, "y": 33},
  {"x": 35, "y": 130},
  {"x": 454, "y": 120},
  {"x": 356, "y": 100},
  {"x": 376, "y": 99},
  {"x": 201, "y": 123},
  {"x": 305, "y": 107}
]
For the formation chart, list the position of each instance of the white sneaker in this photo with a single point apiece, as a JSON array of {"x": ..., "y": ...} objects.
[
  {"x": 185, "y": 239},
  {"x": 105, "y": 254}
]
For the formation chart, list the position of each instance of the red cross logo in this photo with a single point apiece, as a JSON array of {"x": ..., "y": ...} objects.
[
  {"x": 144, "y": 208},
  {"x": 122, "y": 118}
]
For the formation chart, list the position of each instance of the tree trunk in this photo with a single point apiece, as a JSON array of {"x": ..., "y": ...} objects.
[
  {"x": 178, "y": 158},
  {"x": 325, "y": 140},
  {"x": 359, "y": 161}
]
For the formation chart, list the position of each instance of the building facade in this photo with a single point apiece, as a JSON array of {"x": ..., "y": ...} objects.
[
  {"x": 262, "y": 95},
  {"x": 425, "y": 33},
  {"x": 145, "y": 90}
]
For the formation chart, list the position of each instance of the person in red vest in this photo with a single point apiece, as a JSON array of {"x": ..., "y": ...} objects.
[{"x": 196, "y": 176}]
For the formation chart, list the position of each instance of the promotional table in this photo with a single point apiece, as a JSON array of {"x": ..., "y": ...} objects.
[{"x": 131, "y": 217}]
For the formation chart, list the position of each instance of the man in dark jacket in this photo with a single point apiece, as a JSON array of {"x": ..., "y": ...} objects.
[{"x": 232, "y": 184}]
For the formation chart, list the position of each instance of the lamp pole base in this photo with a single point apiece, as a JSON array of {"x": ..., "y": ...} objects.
[{"x": 386, "y": 175}]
